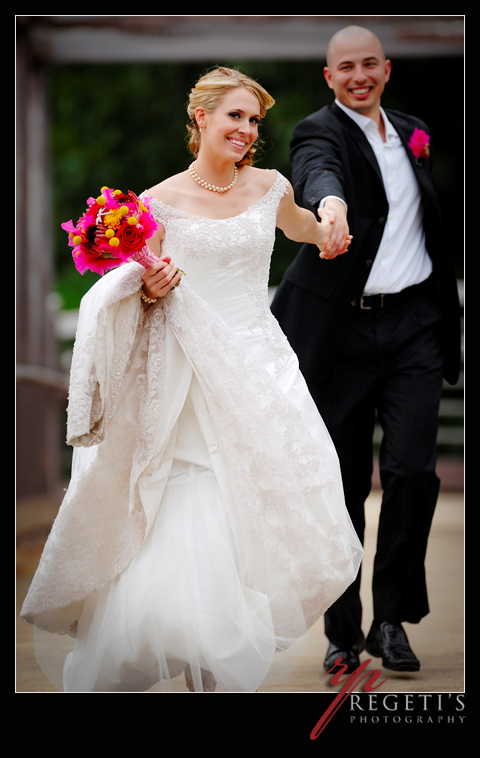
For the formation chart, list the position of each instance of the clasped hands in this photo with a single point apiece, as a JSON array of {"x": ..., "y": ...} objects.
[{"x": 334, "y": 213}]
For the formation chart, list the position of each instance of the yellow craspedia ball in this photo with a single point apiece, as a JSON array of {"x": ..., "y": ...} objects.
[
  {"x": 132, "y": 220},
  {"x": 76, "y": 240},
  {"x": 109, "y": 233},
  {"x": 117, "y": 192},
  {"x": 114, "y": 242},
  {"x": 101, "y": 200},
  {"x": 124, "y": 209}
]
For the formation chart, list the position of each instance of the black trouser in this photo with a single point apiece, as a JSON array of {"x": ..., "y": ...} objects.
[{"x": 390, "y": 368}]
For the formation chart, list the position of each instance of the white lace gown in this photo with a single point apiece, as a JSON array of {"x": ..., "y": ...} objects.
[{"x": 204, "y": 524}]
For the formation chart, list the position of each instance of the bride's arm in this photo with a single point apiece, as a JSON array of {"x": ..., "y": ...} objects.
[{"x": 300, "y": 225}]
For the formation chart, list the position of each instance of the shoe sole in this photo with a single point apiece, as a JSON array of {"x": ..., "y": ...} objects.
[{"x": 401, "y": 667}]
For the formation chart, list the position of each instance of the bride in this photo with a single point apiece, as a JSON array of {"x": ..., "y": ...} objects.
[{"x": 204, "y": 528}]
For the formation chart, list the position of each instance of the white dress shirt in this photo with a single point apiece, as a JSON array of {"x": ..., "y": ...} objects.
[{"x": 402, "y": 259}]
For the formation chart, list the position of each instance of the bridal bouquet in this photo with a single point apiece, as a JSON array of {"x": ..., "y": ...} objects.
[{"x": 114, "y": 229}]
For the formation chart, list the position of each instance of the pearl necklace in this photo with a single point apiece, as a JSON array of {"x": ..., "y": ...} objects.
[{"x": 212, "y": 187}]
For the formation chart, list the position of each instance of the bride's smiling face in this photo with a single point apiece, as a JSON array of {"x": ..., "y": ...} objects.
[{"x": 232, "y": 128}]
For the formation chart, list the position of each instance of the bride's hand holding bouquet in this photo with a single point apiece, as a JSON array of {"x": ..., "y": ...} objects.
[{"x": 162, "y": 275}]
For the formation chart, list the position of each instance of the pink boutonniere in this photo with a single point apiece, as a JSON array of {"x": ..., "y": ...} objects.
[{"x": 420, "y": 145}]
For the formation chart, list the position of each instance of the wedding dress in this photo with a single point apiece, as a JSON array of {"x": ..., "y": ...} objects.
[{"x": 204, "y": 524}]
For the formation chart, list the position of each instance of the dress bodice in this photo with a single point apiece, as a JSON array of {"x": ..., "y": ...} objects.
[
  {"x": 224, "y": 257},
  {"x": 227, "y": 263}
]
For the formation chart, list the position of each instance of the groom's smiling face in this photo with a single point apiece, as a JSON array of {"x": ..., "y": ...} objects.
[{"x": 357, "y": 72}]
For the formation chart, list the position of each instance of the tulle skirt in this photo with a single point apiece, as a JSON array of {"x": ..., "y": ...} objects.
[{"x": 180, "y": 603}]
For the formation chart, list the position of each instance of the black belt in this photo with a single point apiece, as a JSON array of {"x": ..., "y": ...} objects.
[{"x": 373, "y": 302}]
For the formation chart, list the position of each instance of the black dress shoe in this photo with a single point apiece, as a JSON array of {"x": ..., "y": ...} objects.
[
  {"x": 349, "y": 656},
  {"x": 389, "y": 642}
]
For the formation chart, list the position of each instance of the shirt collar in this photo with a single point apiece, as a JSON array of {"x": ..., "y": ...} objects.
[{"x": 364, "y": 121}]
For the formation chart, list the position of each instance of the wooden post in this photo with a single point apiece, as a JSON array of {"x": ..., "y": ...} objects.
[{"x": 39, "y": 406}]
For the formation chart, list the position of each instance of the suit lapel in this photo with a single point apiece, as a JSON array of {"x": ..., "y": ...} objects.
[{"x": 359, "y": 138}]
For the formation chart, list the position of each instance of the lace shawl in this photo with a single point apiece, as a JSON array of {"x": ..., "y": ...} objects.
[{"x": 114, "y": 423}]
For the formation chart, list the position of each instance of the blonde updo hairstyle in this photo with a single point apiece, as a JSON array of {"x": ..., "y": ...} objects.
[{"x": 209, "y": 92}]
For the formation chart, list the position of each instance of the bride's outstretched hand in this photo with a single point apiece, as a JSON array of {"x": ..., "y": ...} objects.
[{"x": 338, "y": 238}]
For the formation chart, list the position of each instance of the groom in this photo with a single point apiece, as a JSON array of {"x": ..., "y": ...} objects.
[{"x": 375, "y": 329}]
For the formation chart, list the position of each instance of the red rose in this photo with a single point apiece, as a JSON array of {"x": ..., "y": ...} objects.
[{"x": 131, "y": 238}]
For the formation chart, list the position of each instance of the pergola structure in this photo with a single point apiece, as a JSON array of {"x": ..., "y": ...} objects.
[{"x": 46, "y": 40}]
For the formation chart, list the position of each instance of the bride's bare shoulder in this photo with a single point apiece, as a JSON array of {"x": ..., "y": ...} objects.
[
  {"x": 265, "y": 177},
  {"x": 168, "y": 188}
]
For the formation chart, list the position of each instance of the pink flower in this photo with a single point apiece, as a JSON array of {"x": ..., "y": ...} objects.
[
  {"x": 113, "y": 227},
  {"x": 420, "y": 144}
]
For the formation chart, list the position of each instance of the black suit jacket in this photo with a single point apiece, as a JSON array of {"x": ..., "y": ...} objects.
[{"x": 314, "y": 304}]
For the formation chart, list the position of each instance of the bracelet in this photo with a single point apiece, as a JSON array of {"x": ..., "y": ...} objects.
[{"x": 146, "y": 299}]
